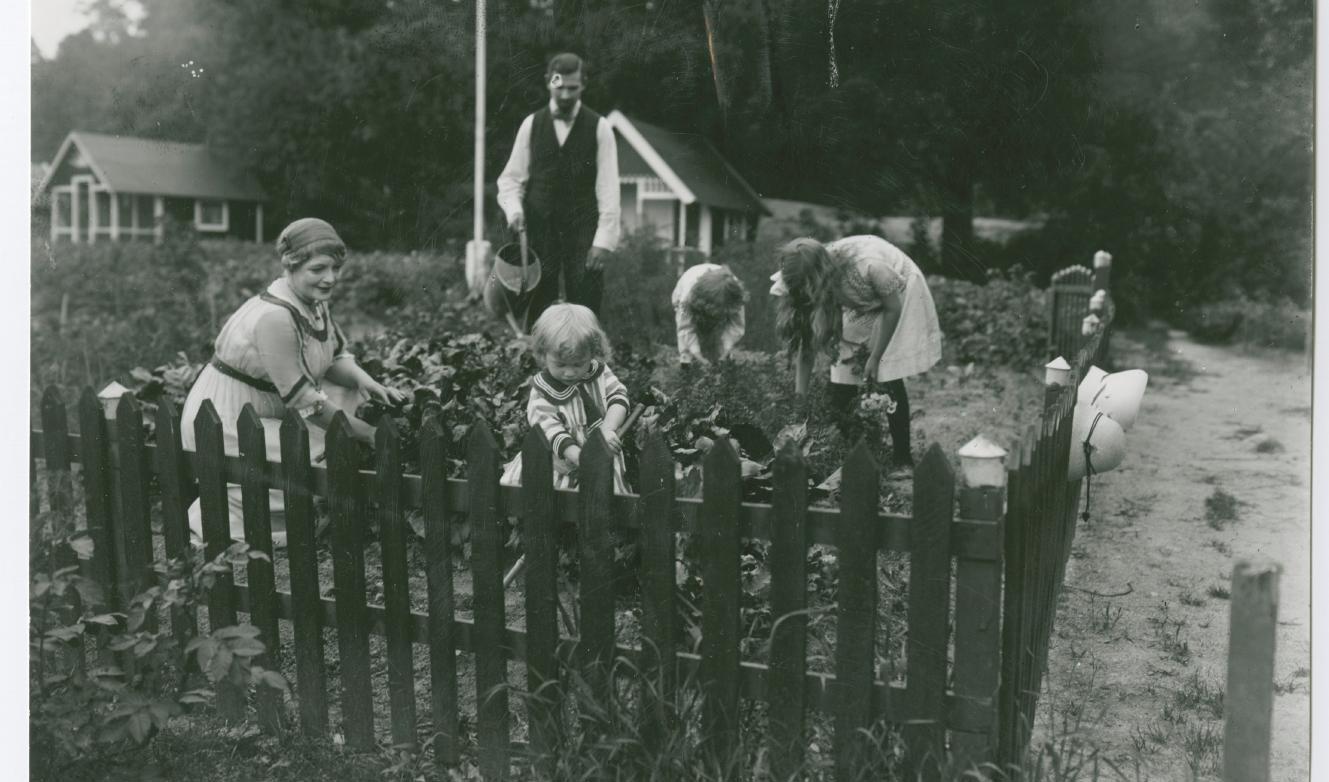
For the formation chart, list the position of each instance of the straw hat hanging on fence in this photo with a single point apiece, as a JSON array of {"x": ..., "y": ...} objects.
[
  {"x": 1093, "y": 378},
  {"x": 1120, "y": 395},
  {"x": 1098, "y": 443}
]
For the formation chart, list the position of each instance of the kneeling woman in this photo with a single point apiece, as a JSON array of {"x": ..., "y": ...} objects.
[
  {"x": 279, "y": 351},
  {"x": 856, "y": 295}
]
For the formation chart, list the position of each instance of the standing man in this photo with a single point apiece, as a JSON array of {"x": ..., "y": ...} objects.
[{"x": 561, "y": 185}]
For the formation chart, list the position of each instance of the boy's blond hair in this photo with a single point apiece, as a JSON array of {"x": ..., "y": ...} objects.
[{"x": 569, "y": 331}]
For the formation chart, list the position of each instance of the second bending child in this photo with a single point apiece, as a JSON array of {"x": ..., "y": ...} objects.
[
  {"x": 574, "y": 393},
  {"x": 708, "y": 312}
]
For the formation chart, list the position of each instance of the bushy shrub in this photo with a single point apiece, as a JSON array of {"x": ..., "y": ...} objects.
[
  {"x": 1003, "y": 322},
  {"x": 100, "y": 310},
  {"x": 639, "y": 281},
  {"x": 1256, "y": 323}
]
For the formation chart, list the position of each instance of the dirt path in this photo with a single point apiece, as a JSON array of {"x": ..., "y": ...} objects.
[{"x": 1218, "y": 469}]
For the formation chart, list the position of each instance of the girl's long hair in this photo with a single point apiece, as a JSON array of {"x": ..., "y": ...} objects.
[
  {"x": 715, "y": 303},
  {"x": 569, "y": 331},
  {"x": 809, "y": 317}
]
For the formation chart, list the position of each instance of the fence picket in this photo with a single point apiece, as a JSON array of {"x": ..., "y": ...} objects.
[
  {"x": 595, "y": 648},
  {"x": 176, "y": 493},
  {"x": 491, "y": 658},
  {"x": 212, "y": 496},
  {"x": 659, "y": 615},
  {"x": 788, "y": 564},
  {"x": 134, "y": 516},
  {"x": 929, "y": 614},
  {"x": 855, "y": 632},
  {"x": 722, "y": 495},
  {"x": 539, "y": 537},
  {"x": 95, "y": 450},
  {"x": 60, "y": 487},
  {"x": 302, "y": 553},
  {"x": 438, "y": 573},
  {"x": 977, "y": 621},
  {"x": 396, "y": 585},
  {"x": 259, "y": 572},
  {"x": 56, "y": 455},
  {"x": 348, "y": 574},
  {"x": 1013, "y": 620}
]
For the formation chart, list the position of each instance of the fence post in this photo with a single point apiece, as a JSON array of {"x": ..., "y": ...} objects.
[
  {"x": 346, "y": 505},
  {"x": 929, "y": 609},
  {"x": 856, "y": 539},
  {"x": 1056, "y": 376},
  {"x": 491, "y": 658},
  {"x": 393, "y": 530},
  {"x": 1250, "y": 672},
  {"x": 722, "y": 498},
  {"x": 1103, "y": 271},
  {"x": 659, "y": 613},
  {"x": 978, "y": 599},
  {"x": 438, "y": 574},
  {"x": 302, "y": 554}
]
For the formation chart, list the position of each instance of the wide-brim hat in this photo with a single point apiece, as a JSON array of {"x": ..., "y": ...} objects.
[
  {"x": 1093, "y": 378},
  {"x": 1106, "y": 443},
  {"x": 1120, "y": 395}
]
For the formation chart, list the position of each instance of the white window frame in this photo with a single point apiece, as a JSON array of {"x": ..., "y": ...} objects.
[
  {"x": 58, "y": 230},
  {"x": 223, "y": 226}
]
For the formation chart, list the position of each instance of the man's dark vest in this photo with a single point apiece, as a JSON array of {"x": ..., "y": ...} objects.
[{"x": 561, "y": 188}]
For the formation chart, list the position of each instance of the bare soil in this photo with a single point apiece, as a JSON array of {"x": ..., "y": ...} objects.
[{"x": 1218, "y": 470}]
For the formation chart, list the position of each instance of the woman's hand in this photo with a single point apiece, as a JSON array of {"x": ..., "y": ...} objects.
[{"x": 388, "y": 396}]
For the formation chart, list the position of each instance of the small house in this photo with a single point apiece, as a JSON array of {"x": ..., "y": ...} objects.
[
  {"x": 120, "y": 188},
  {"x": 681, "y": 185}
]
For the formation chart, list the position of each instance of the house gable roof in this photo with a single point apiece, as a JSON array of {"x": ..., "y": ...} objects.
[
  {"x": 688, "y": 163},
  {"x": 126, "y": 164}
]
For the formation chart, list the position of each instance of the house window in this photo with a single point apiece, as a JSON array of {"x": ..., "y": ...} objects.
[{"x": 211, "y": 216}]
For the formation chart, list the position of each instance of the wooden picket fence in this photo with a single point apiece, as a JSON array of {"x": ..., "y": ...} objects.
[
  {"x": 948, "y": 705},
  {"x": 973, "y": 666},
  {"x": 1041, "y": 513}
]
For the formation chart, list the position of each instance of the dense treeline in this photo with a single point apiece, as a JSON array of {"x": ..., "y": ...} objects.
[{"x": 1177, "y": 135}]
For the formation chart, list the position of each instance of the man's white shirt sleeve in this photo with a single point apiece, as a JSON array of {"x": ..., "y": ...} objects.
[
  {"x": 512, "y": 182},
  {"x": 606, "y": 186}
]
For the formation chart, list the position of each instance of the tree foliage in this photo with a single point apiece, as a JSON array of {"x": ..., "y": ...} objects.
[{"x": 1177, "y": 136}]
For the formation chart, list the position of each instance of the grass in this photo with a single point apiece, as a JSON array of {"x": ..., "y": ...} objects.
[
  {"x": 1219, "y": 592},
  {"x": 1221, "y": 509},
  {"x": 1269, "y": 445}
]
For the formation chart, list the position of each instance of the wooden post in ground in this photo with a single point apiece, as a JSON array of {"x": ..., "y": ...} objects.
[
  {"x": 978, "y": 601},
  {"x": 1250, "y": 672}
]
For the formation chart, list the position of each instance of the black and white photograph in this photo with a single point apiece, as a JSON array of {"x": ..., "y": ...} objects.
[{"x": 705, "y": 390}]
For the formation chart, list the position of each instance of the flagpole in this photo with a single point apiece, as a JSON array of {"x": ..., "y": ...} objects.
[
  {"x": 479, "y": 221},
  {"x": 477, "y": 250}
]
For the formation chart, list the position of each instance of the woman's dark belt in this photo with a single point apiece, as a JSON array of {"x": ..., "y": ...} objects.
[{"x": 235, "y": 374}]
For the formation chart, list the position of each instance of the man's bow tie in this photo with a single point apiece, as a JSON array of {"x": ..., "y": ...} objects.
[{"x": 563, "y": 117}]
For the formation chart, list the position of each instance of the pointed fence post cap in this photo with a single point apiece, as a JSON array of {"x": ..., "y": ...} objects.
[
  {"x": 1102, "y": 258},
  {"x": 1056, "y": 373},
  {"x": 983, "y": 463},
  {"x": 113, "y": 390},
  {"x": 110, "y": 397}
]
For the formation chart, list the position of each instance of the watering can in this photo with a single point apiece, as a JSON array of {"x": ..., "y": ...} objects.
[{"x": 510, "y": 288}]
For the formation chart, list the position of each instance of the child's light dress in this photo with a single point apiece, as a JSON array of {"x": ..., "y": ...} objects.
[
  {"x": 689, "y": 346},
  {"x": 873, "y": 269},
  {"x": 567, "y": 413}
]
